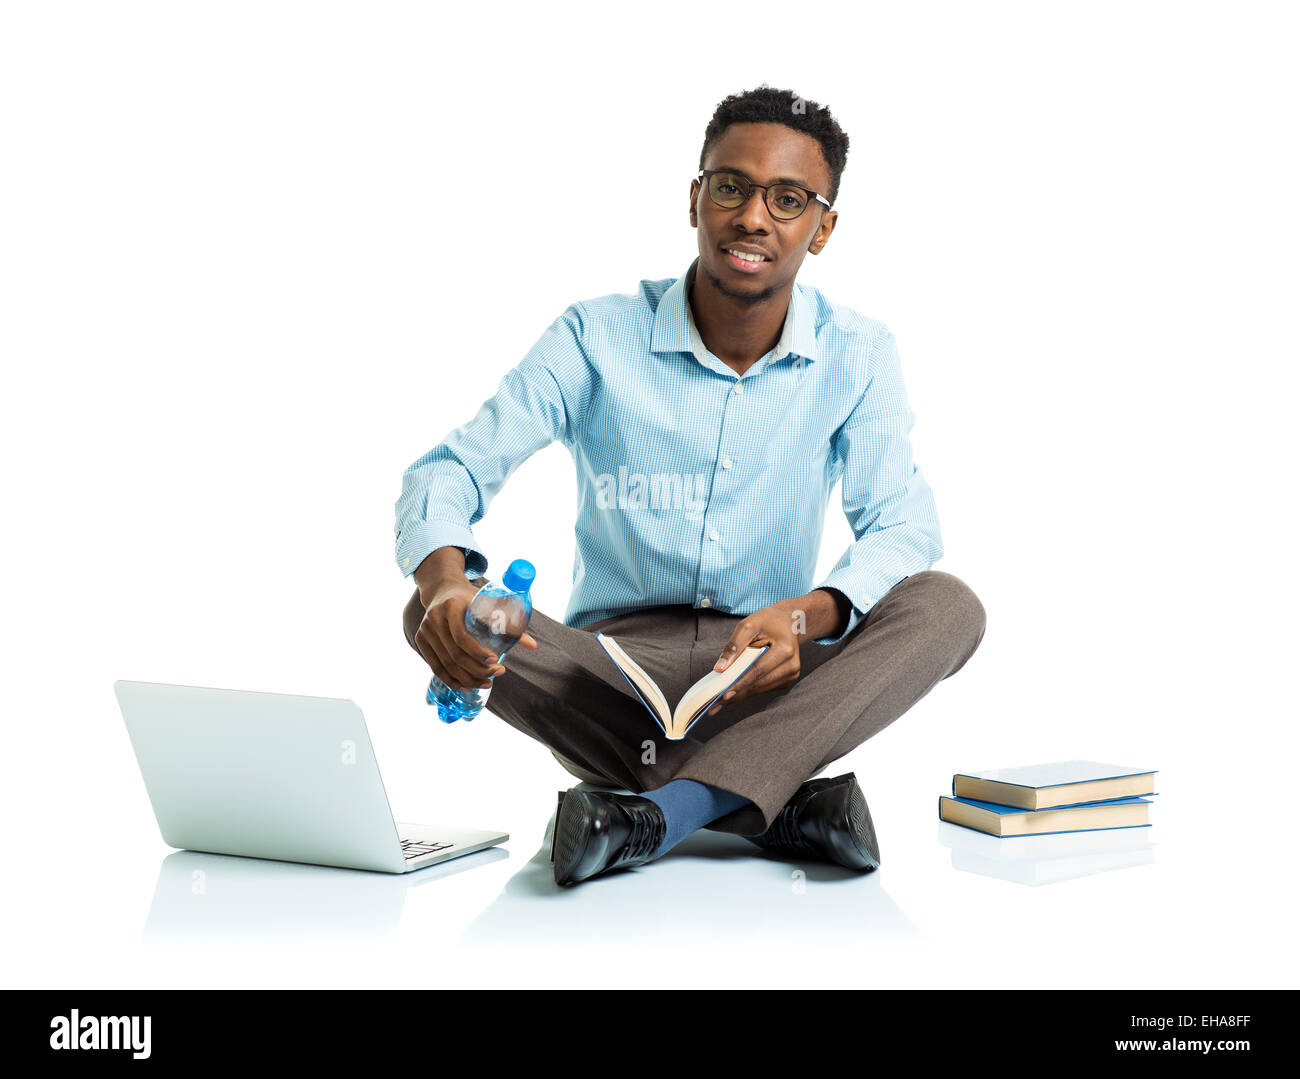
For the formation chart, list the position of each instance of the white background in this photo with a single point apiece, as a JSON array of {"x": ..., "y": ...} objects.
[{"x": 257, "y": 258}]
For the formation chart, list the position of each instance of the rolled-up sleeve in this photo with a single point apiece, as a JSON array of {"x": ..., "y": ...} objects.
[
  {"x": 887, "y": 501},
  {"x": 449, "y": 489}
]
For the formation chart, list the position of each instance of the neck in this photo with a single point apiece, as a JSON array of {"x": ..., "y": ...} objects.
[{"x": 739, "y": 330}]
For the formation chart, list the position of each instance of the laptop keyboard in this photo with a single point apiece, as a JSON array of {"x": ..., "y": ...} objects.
[{"x": 418, "y": 848}]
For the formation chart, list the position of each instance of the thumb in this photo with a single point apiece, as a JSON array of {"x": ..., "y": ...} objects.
[{"x": 728, "y": 654}]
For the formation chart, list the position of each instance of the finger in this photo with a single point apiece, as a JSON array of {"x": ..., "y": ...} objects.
[
  {"x": 470, "y": 647},
  {"x": 424, "y": 641},
  {"x": 736, "y": 693},
  {"x": 440, "y": 670},
  {"x": 458, "y": 666},
  {"x": 738, "y": 688},
  {"x": 762, "y": 677},
  {"x": 528, "y": 640},
  {"x": 761, "y": 669},
  {"x": 467, "y": 651},
  {"x": 452, "y": 675},
  {"x": 780, "y": 676},
  {"x": 741, "y": 636}
]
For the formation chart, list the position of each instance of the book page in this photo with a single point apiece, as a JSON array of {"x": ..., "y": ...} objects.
[
  {"x": 644, "y": 686},
  {"x": 697, "y": 700}
]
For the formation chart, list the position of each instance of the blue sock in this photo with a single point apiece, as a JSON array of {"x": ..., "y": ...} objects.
[{"x": 688, "y": 806}]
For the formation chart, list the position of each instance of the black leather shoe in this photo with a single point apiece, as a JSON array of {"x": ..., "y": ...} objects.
[
  {"x": 826, "y": 819},
  {"x": 596, "y": 832}
]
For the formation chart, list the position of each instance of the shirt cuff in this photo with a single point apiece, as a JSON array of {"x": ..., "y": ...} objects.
[{"x": 418, "y": 540}]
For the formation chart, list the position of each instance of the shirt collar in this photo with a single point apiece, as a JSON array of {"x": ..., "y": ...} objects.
[{"x": 675, "y": 331}]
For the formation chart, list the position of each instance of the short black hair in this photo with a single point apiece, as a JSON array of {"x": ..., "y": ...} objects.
[{"x": 765, "y": 105}]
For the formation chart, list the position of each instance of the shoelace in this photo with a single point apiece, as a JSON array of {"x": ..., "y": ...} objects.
[
  {"x": 648, "y": 830},
  {"x": 785, "y": 831}
]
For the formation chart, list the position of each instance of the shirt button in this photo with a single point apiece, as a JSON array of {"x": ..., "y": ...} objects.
[
  {"x": 406, "y": 562},
  {"x": 713, "y": 533},
  {"x": 739, "y": 388},
  {"x": 726, "y": 462},
  {"x": 706, "y": 602}
]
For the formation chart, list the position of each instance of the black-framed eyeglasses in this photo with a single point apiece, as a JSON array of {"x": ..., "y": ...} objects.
[{"x": 730, "y": 190}]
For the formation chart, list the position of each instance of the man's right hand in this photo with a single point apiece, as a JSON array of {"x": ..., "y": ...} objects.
[{"x": 453, "y": 653}]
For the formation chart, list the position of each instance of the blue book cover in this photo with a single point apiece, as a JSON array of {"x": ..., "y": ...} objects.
[{"x": 994, "y": 807}]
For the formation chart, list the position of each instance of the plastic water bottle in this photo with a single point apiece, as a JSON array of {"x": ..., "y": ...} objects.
[{"x": 497, "y": 616}]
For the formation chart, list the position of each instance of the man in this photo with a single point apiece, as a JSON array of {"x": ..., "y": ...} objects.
[{"x": 709, "y": 417}]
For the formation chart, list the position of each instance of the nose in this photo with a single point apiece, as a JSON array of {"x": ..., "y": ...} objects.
[{"x": 752, "y": 215}]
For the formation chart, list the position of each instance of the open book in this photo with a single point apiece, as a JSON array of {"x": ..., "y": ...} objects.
[{"x": 694, "y": 703}]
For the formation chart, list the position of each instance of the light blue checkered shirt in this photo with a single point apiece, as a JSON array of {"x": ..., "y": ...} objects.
[{"x": 695, "y": 485}]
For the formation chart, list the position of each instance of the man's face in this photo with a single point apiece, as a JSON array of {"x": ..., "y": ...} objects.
[{"x": 766, "y": 154}]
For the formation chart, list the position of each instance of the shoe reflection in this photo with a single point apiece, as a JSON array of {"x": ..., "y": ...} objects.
[{"x": 713, "y": 886}]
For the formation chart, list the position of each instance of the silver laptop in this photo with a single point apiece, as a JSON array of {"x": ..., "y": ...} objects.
[{"x": 273, "y": 775}]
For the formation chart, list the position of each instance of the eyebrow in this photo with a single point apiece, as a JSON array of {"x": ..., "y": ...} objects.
[{"x": 779, "y": 180}]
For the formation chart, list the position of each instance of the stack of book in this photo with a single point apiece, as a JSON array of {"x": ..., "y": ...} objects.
[{"x": 1045, "y": 799}]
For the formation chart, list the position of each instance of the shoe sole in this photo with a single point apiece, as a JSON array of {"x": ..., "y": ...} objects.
[
  {"x": 555, "y": 824},
  {"x": 861, "y": 828},
  {"x": 570, "y": 842}
]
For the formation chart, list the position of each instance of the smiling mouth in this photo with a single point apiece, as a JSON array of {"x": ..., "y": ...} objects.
[{"x": 744, "y": 261}]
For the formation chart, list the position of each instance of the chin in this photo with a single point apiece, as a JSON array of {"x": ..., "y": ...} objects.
[{"x": 726, "y": 281}]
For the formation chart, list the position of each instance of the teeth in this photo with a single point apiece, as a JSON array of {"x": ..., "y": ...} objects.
[{"x": 745, "y": 255}]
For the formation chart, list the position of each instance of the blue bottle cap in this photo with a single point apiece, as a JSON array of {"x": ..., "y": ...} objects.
[{"x": 519, "y": 577}]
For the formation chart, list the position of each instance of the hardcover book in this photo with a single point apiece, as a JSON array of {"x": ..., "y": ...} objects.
[
  {"x": 1046, "y": 786},
  {"x": 1006, "y": 821}
]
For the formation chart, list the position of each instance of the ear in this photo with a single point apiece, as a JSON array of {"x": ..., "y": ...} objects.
[
  {"x": 823, "y": 233},
  {"x": 695, "y": 194}
]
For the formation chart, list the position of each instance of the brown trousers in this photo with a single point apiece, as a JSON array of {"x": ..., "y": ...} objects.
[{"x": 569, "y": 696}]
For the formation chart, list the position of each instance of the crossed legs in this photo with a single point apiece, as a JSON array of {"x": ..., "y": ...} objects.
[{"x": 569, "y": 696}]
